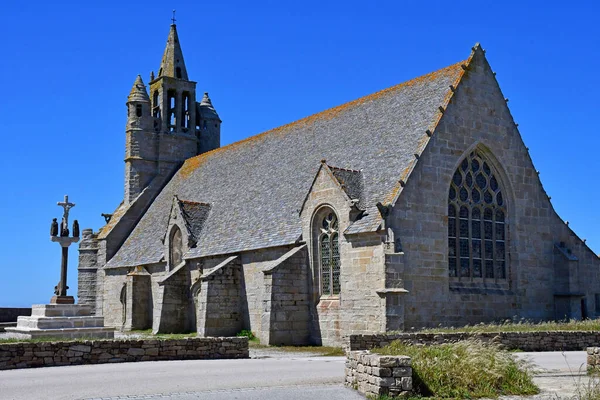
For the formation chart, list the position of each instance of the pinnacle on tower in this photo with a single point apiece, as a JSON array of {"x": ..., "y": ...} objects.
[
  {"x": 138, "y": 91},
  {"x": 207, "y": 110},
  {"x": 172, "y": 64}
]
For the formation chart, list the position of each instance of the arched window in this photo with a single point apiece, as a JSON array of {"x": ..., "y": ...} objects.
[
  {"x": 175, "y": 247},
  {"x": 329, "y": 255},
  {"x": 476, "y": 222}
]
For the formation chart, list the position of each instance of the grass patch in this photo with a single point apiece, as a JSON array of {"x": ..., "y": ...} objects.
[
  {"x": 466, "y": 369},
  {"x": 588, "y": 325}
]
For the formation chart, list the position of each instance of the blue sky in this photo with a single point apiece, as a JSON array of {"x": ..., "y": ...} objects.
[{"x": 68, "y": 67}]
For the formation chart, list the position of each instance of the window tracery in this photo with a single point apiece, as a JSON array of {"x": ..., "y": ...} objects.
[
  {"x": 329, "y": 255},
  {"x": 476, "y": 222}
]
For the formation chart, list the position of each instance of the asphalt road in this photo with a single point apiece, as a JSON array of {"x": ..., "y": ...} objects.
[{"x": 274, "y": 377}]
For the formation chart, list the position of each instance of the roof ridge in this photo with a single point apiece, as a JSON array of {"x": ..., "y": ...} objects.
[{"x": 193, "y": 162}]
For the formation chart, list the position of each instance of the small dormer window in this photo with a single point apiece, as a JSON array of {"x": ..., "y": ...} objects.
[{"x": 175, "y": 247}]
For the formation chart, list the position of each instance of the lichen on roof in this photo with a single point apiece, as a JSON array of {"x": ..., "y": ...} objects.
[{"x": 256, "y": 186}]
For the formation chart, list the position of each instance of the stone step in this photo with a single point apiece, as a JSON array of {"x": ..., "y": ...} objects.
[
  {"x": 60, "y": 310},
  {"x": 70, "y": 333},
  {"x": 37, "y": 322}
]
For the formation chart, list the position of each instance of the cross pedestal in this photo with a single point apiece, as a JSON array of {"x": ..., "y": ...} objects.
[{"x": 61, "y": 296}]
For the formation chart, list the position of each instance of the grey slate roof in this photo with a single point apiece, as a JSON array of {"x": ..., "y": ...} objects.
[
  {"x": 351, "y": 182},
  {"x": 195, "y": 215},
  {"x": 256, "y": 186}
]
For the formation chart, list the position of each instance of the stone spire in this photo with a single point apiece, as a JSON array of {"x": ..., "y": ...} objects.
[
  {"x": 138, "y": 92},
  {"x": 172, "y": 63}
]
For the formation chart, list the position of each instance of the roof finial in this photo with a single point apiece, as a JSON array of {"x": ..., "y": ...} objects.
[{"x": 173, "y": 19}]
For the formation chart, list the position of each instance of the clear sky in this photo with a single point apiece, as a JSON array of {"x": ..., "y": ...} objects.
[{"x": 67, "y": 68}]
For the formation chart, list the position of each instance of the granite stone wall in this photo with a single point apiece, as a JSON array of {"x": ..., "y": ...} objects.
[
  {"x": 47, "y": 354},
  {"x": 358, "y": 308},
  {"x": 374, "y": 375},
  {"x": 286, "y": 316},
  {"x": 593, "y": 359},
  {"x": 477, "y": 117},
  {"x": 525, "y": 341}
]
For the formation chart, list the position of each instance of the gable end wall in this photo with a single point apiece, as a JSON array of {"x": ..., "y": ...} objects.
[{"x": 478, "y": 115}]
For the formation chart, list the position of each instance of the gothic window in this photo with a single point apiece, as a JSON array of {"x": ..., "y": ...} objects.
[
  {"x": 329, "y": 255},
  {"x": 175, "y": 247},
  {"x": 476, "y": 223}
]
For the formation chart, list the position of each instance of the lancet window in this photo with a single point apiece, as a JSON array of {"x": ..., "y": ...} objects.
[
  {"x": 477, "y": 226},
  {"x": 175, "y": 247},
  {"x": 329, "y": 255}
]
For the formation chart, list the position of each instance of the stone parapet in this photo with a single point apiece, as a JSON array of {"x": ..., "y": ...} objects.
[
  {"x": 46, "y": 354},
  {"x": 374, "y": 375},
  {"x": 525, "y": 341}
]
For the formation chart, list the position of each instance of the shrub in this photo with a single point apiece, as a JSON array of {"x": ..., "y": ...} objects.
[
  {"x": 247, "y": 333},
  {"x": 466, "y": 369}
]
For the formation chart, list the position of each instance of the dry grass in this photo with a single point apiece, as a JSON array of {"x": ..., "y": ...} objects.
[
  {"x": 466, "y": 369},
  {"x": 521, "y": 326}
]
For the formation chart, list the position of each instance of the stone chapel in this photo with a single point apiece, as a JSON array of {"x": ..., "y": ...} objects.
[{"x": 416, "y": 206}]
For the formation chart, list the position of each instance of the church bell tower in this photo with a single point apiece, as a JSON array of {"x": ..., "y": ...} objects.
[{"x": 169, "y": 126}]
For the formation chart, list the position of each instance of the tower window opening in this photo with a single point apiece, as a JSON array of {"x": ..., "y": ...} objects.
[
  {"x": 185, "y": 114},
  {"x": 138, "y": 110},
  {"x": 172, "y": 121},
  {"x": 155, "y": 99},
  {"x": 178, "y": 72}
]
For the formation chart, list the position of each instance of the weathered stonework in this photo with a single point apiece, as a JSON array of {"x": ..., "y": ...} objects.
[
  {"x": 47, "y": 354},
  {"x": 524, "y": 341},
  {"x": 593, "y": 360},
  {"x": 251, "y": 218},
  {"x": 374, "y": 375}
]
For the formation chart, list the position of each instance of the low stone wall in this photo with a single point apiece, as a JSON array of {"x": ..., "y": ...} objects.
[
  {"x": 46, "y": 354},
  {"x": 374, "y": 375},
  {"x": 525, "y": 341},
  {"x": 593, "y": 359},
  {"x": 10, "y": 314}
]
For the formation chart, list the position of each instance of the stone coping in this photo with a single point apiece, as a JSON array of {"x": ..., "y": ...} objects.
[
  {"x": 525, "y": 341},
  {"x": 57, "y": 353}
]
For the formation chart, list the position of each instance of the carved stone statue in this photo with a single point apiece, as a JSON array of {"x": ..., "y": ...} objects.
[
  {"x": 64, "y": 229},
  {"x": 75, "y": 228},
  {"x": 107, "y": 217},
  {"x": 54, "y": 228}
]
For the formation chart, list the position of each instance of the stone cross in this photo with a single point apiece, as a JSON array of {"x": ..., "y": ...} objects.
[
  {"x": 66, "y": 205},
  {"x": 65, "y": 241}
]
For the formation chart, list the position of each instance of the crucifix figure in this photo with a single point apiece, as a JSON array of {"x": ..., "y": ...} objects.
[
  {"x": 65, "y": 241},
  {"x": 173, "y": 19},
  {"x": 66, "y": 205}
]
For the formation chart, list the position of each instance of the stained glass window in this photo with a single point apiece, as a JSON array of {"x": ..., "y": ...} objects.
[
  {"x": 476, "y": 222},
  {"x": 329, "y": 256}
]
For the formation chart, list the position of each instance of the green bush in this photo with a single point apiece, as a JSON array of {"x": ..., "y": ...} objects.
[
  {"x": 466, "y": 369},
  {"x": 245, "y": 332}
]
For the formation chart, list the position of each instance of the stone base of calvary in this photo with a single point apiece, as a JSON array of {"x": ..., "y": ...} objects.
[{"x": 62, "y": 318}]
